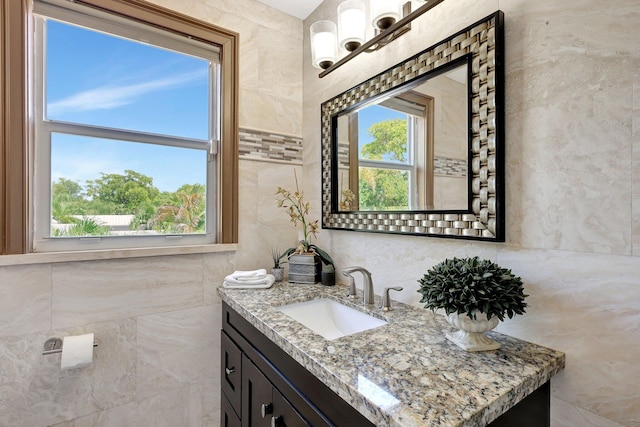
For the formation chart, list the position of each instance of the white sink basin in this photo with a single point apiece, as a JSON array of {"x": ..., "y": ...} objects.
[{"x": 329, "y": 318}]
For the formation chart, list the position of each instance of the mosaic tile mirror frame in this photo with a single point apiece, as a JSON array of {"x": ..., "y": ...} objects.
[{"x": 482, "y": 45}]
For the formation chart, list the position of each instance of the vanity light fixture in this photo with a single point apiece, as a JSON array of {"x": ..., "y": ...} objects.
[
  {"x": 324, "y": 48},
  {"x": 390, "y": 19}
]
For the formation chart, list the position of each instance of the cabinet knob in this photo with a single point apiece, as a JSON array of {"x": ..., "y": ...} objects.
[
  {"x": 266, "y": 408},
  {"x": 275, "y": 421},
  {"x": 230, "y": 370}
]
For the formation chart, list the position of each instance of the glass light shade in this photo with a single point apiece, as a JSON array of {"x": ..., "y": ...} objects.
[
  {"x": 385, "y": 13},
  {"x": 324, "y": 44},
  {"x": 351, "y": 24}
]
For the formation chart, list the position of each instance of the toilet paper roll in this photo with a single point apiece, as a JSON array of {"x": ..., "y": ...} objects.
[{"x": 77, "y": 351}]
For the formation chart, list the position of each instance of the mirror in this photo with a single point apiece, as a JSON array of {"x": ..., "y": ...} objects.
[
  {"x": 418, "y": 149},
  {"x": 408, "y": 149}
]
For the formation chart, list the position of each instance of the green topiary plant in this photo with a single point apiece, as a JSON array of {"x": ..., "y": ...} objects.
[{"x": 467, "y": 285}]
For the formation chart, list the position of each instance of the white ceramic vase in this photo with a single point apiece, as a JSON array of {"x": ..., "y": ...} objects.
[{"x": 471, "y": 336}]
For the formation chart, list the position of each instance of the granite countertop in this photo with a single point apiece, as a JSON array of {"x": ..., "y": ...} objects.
[{"x": 405, "y": 373}]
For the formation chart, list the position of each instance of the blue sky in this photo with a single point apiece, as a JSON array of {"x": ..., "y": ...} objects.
[
  {"x": 97, "y": 79},
  {"x": 371, "y": 115}
]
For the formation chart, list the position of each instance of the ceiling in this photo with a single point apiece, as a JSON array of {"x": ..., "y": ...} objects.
[{"x": 299, "y": 8}]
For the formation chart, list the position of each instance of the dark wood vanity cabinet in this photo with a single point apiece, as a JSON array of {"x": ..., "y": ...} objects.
[{"x": 264, "y": 386}]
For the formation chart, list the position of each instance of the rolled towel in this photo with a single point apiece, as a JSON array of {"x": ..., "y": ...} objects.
[
  {"x": 267, "y": 282},
  {"x": 249, "y": 275}
]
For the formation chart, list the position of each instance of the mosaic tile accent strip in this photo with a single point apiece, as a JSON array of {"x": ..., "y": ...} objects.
[
  {"x": 450, "y": 167},
  {"x": 269, "y": 146},
  {"x": 481, "y": 45}
]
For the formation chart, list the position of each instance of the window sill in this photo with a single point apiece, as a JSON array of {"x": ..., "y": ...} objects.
[{"x": 53, "y": 257}]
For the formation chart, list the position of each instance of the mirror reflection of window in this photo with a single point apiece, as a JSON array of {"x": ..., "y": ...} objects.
[
  {"x": 407, "y": 151},
  {"x": 391, "y": 160}
]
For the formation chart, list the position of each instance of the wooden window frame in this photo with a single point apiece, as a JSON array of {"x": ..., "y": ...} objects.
[
  {"x": 15, "y": 88},
  {"x": 423, "y": 162}
]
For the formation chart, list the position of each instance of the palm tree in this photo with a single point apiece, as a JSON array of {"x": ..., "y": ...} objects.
[{"x": 188, "y": 217}]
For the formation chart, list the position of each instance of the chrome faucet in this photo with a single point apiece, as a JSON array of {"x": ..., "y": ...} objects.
[
  {"x": 386, "y": 301},
  {"x": 367, "y": 285}
]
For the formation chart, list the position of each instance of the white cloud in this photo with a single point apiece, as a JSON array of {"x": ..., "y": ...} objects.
[{"x": 109, "y": 97}]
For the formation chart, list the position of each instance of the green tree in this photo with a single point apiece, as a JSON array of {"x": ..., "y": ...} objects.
[
  {"x": 66, "y": 188},
  {"x": 67, "y": 199},
  {"x": 384, "y": 189},
  {"x": 389, "y": 141},
  {"x": 121, "y": 194}
]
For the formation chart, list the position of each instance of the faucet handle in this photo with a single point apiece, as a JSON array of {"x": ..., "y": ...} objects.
[
  {"x": 352, "y": 285},
  {"x": 386, "y": 301}
]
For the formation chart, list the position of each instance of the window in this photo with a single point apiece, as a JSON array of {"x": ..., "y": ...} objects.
[
  {"x": 392, "y": 143},
  {"x": 135, "y": 129}
]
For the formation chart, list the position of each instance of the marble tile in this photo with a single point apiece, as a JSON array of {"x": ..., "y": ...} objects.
[
  {"x": 35, "y": 392},
  {"x": 584, "y": 305},
  {"x": 96, "y": 291},
  {"x": 176, "y": 349},
  {"x": 251, "y": 256},
  {"x": 270, "y": 177},
  {"x": 211, "y": 385},
  {"x": 263, "y": 15},
  {"x": 280, "y": 66},
  {"x": 182, "y": 407},
  {"x": 249, "y": 60},
  {"x": 572, "y": 191},
  {"x": 267, "y": 112},
  {"x": 571, "y": 122},
  {"x": 216, "y": 267},
  {"x": 262, "y": 224},
  {"x": 248, "y": 192},
  {"x": 211, "y": 395},
  {"x": 25, "y": 299},
  {"x": 635, "y": 201},
  {"x": 565, "y": 414}
]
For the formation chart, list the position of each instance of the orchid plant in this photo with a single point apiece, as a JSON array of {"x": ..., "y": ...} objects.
[{"x": 298, "y": 210}]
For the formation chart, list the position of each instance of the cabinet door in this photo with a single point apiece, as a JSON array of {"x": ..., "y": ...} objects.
[
  {"x": 284, "y": 415},
  {"x": 228, "y": 417},
  {"x": 231, "y": 374},
  {"x": 257, "y": 404}
]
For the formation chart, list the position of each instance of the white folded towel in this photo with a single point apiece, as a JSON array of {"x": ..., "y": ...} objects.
[
  {"x": 266, "y": 282},
  {"x": 249, "y": 275}
]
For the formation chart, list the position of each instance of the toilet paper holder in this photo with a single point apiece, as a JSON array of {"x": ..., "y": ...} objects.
[{"x": 54, "y": 345}]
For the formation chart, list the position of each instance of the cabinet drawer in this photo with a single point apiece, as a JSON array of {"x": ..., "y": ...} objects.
[
  {"x": 228, "y": 417},
  {"x": 231, "y": 374}
]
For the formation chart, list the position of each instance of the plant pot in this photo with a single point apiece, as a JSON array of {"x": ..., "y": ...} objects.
[
  {"x": 328, "y": 278},
  {"x": 304, "y": 268},
  {"x": 471, "y": 336},
  {"x": 278, "y": 273}
]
